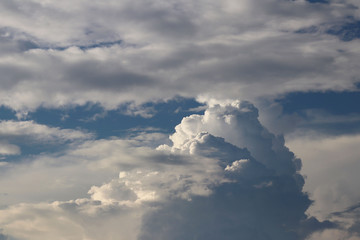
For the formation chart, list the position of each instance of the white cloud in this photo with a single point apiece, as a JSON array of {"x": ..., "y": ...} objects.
[{"x": 238, "y": 124}]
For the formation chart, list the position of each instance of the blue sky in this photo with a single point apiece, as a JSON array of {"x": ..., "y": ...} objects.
[{"x": 175, "y": 120}]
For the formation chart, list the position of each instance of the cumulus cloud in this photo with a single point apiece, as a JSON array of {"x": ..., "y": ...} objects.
[
  {"x": 206, "y": 184},
  {"x": 227, "y": 212},
  {"x": 238, "y": 123}
]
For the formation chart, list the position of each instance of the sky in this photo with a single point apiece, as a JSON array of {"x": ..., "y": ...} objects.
[{"x": 173, "y": 120}]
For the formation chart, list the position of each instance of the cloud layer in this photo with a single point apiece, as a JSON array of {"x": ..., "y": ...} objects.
[{"x": 56, "y": 54}]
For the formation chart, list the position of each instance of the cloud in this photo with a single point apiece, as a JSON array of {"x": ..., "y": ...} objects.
[
  {"x": 331, "y": 168},
  {"x": 332, "y": 176},
  {"x": 9, "y": 149},
  {"x": 238, "y": 123},
  {"x": 136, "y": 110},
  {"x": 20, "y": 129},
  {"x": 162, "y": 49},
  {"x": 69, "y": 220},
  {"x": 146, "y": 175},
  {"x": 257, "y": 191},
  {"x": 326, "y": 113},
  {"x": 349, "y": 226},
  {"x": 15, "y": 135},
  {"x": 333, "y": 235},
  {"x": 199, "y": 186}
]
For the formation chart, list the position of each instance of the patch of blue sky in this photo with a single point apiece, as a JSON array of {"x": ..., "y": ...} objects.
[
  {"x": 357, "y": 85},
  {"x": 333, "y": 128},
  {"x": 28, "y": 45},
  {"x": 331, "y": 113},
  {"x": 30, "y": 150},
  {"x": 338, "y": 103},
  {"x": 347, "y": 32},
  {"x": 311, "y": 29},
  {"x": 318, "y": 1},
  {"x": 7, "y": 114},
  {"x": 29, "y": 42},
  {"x": 90, "y": 46},
  {"x": 94, "y": 118}
]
